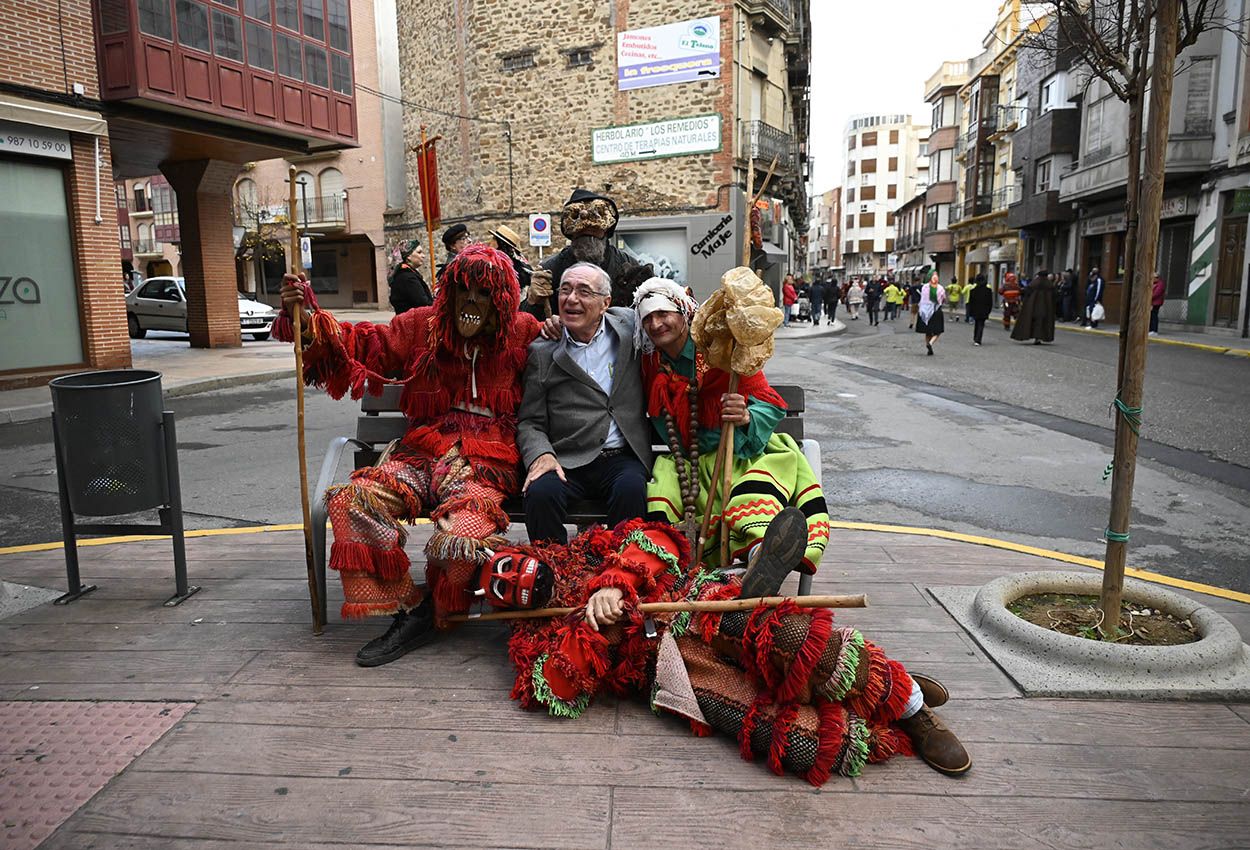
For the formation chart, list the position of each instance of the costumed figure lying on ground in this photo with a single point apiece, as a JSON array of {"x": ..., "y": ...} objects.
[
  {"x": 588, "y": 221},
  {"x": 686, "y": 373},
  {"x": 460, "y": 363},
  {"x": 792, "y": 688}
]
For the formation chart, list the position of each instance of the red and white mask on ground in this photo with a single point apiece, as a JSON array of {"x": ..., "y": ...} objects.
[{"x": 511, "y": 579}]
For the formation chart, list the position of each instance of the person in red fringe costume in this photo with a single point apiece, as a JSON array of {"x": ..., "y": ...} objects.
[
  {"x": 794, "y": 689},
  {"x": 460, "y": 362}
]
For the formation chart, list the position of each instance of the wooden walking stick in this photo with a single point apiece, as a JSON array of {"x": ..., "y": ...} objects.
[
  {"x": 722, "y": 472},
  {"x": 297, "y": 320},
  {"x": 857, "y": 600}
]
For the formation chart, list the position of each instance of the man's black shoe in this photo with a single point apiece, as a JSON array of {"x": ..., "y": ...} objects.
[
  {"x": 409, "y": 630},
  {"x": 776, "y": 555}
]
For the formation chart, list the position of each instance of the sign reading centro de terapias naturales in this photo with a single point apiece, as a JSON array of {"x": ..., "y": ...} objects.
[
  {"x": 683, "y": 52},
  {"x": 673, "y": 137}
]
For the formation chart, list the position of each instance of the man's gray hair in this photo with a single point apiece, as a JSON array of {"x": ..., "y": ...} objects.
[{"x": 589, "y": 273}]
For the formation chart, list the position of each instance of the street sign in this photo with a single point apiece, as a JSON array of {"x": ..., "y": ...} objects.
[
  {"x": 540, "y": 230},
  {"x": 305, "y": 252}
]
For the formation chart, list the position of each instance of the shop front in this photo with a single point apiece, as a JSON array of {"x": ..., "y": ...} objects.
[
  {"x": 59, "y": 276},
  {"x": 695, "y": 250}
]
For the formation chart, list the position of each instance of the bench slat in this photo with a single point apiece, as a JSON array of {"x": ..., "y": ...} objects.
[
  {"x": 794, "y": 396},
  {"x": 380, "y": 429},
  {"x": 792, "y": 425},
  {"x": 385, "y": 403}
]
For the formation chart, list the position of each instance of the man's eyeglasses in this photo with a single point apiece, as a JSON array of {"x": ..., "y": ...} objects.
[{"x": 582, "y": 292}]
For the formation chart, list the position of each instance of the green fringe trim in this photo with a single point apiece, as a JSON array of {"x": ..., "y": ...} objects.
[
  {"x": 858, "y": 746},
  {"x": 655, "y": 692},
  {"x": 847, "y": 665},
  {"x": 640, "y": 539},
  {"x": 681, "y": 622},
  {"x": 556, "y": 707}
]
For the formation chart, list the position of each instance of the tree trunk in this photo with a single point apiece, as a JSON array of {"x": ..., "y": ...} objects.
[
  {"x": 1131, "y": 206},
  {"x": 1130, "y": 395}
]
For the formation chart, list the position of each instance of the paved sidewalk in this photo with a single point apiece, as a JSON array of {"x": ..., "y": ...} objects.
[
  {"x": 1213, "y": 342},
  {"x": 289, "y": 744},
  {"x": 186, "y": 370}
]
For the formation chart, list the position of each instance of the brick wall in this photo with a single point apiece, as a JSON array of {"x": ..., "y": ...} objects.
[
  {"x": 31, "y": 55},
  {"x": 97, "y": 262},
  {"x": 30, "y": 51},
  {"x": 451, "y": 58}
]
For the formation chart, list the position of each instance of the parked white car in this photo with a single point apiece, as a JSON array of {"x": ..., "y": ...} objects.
[{"x": 160, "y": 304}]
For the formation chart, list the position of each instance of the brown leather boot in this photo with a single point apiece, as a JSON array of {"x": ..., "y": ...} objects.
[
  {"x": 935, "y": 693},
  {"x": 935, "y": 743}
]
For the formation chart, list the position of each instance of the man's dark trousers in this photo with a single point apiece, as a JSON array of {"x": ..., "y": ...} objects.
[{"x": 619, "y": 479}]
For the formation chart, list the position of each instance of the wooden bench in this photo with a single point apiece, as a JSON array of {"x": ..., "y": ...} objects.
[{"x": 381, "y": 421}]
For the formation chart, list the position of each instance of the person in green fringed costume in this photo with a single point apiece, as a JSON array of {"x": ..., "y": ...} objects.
[{"x": 769, "y": 472}]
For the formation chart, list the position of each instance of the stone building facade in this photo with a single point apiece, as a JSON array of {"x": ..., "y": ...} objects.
[{"x": 515, "y": 105}]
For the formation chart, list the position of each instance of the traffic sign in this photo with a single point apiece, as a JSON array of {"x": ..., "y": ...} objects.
[
  {"x": 305, "y": 252},
  {"x": 540, "y": 230}
]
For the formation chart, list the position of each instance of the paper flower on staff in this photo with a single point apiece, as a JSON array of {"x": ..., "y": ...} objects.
[{"x": 735, "y": 326}]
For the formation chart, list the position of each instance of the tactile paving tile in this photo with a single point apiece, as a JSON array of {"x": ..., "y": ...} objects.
[{"x": 54, "y": 756}]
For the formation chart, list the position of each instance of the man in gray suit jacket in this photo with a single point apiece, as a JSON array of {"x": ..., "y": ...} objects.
[{"x": 582, "y": 429}]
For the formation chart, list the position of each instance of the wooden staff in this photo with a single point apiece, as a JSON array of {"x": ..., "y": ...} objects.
[
  {"x": 297, "y": 319},
  {"x": 857, "y": 600},
  {"x": 722, "y": 472}
]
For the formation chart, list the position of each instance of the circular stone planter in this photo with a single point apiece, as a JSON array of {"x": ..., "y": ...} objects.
[{"x": 1216, "y": 657}]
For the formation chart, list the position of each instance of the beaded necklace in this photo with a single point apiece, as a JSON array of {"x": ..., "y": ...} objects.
[{"x": 686, "y": 458}]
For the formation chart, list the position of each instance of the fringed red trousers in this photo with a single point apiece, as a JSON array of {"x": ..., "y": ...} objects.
[{"x": 368, "y": 549}]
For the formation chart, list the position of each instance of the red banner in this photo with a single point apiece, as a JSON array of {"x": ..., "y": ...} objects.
[{"x": 427, "y": 176}]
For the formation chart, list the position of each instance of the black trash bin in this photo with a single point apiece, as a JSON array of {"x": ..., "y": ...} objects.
[{"x": 116, "y": 453}]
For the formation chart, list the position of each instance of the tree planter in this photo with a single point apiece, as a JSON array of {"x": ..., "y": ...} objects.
[{"x": 1047, "y": 663}]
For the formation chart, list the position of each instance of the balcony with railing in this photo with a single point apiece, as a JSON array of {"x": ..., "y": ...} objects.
[
  {"x": 761, "y": 142},
  {"x": 147, "y": 248},
  {"x": 775, "y": 15},
  {"x": 324, "y": 212}
]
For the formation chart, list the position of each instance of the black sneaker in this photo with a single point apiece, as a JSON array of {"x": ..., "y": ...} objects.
[
  {"x": 409, "y": 630},
  {"x": 776, "y": 555}
]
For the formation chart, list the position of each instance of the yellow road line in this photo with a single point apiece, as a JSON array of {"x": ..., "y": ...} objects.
[
  {"x": 139, "y": 538},
  {"x": 1132, "y": 572},
  {"x": 1162, "y": 340},
  {"x": 915, "y": 531}
]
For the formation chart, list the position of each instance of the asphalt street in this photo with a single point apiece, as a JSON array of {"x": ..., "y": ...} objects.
[{"x": 1007, "y": 440}]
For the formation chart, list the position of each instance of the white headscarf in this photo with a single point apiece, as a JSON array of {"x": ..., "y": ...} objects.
[{"x": 659, "y": 293}]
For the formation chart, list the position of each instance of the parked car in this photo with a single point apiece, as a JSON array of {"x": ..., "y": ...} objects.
[{"x": 160, "y": 304}]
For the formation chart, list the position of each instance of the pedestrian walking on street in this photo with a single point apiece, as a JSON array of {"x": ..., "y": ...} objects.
[
  {"x": 980, "y": 299},
  {"x": 1095, "y": 288},
  {"x": 913, "y": 302},
  {"x": 833, "y": 294},
  {"x": 954, "y": 293},
  {"x": 1066, "y": 292},
  {"x": 1010, "y": 291},
  {"x": 816, "y": 296},
  {"x": 929, "y": 319},
  {"x": 854, "y": 298},
  {"x": 872, "y": 302},
  {"x": 1037, "y": 311},
  {"x": 1158, "y": 293},
  {"x": 893, "y": 297},
  {"x": 789, "y": 296}
]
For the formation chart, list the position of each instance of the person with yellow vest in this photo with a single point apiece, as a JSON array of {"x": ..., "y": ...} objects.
[{"x": 953, "y": 293}]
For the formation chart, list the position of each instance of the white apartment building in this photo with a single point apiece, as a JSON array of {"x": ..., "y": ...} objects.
[{"x": 887, "y": 163}]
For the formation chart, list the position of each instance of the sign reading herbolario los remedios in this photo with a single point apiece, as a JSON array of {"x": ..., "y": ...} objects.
[{"x": 673, "y": 137}]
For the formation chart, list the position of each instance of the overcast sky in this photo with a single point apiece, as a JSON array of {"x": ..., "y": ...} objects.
[{"x": 875, "y": 55}]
